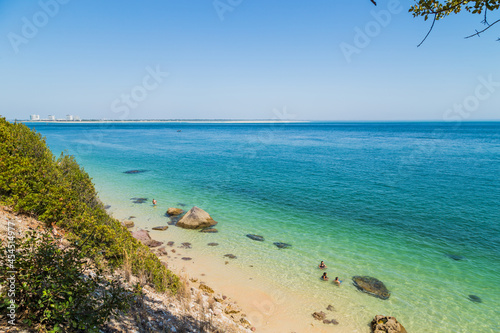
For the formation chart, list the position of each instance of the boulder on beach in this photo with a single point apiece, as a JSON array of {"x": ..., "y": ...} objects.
[
  {"x": 256, "y": 237},
  {"x": 371, "y": 286},
  {"x": 172, "y": 211},
  {"x": 141, "y": 235},
  {"x": 161, "y": 228},
  {"x": 128, "y": 224},
  {"x": 386, "y": 324},
  {"x": 196, "y": 218}
]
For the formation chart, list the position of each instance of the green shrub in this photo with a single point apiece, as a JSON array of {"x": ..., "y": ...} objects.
[
  {"x": 59, "y": 191},
  {"x": 54, "y": 289}
]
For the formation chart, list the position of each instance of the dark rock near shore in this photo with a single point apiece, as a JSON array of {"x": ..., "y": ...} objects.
[
  {"x": 209, "y": 230},
  {"x": 186, "y": 258},
  {"x": 196, "y": 218},
  {"x": 386, "y": 324},
  {"x": 475, "y": 299},
  {"x": 152, "y": 243},
  {"x": 331, "y": 321},
  {"x": 128, "y": 224},
  {"x": 181, "y": 204},
  {"x": 139, "y": 200},
  {"x": 330, "y": 308},
  {"x": 186, "y": 245},
  {"x": 162, "y": 228},
  {"x": 131, "y": 217},
  {"x": 319, "y": 315},
  {"x": 213, "y": 244},
  {"x": 172, "y": 211},
  {"x": 256, "y": 237},
  {"x": 162, "y": 251},
  {"x": 282, "y": 245},
  {"x": 134, "y": 171},
  {"x": 107, "y": 207},
  {"x": 371, "y": 286},
  {"x": 230, "y": 256},
  {"x": 170, "y": 243}
]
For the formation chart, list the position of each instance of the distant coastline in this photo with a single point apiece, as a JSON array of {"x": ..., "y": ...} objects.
[{"x": 228, "y": 121}]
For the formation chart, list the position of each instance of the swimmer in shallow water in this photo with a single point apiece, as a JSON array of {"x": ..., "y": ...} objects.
[
  {"x": 322, "y": 265},
  {"x": 337, "y": 281},
  {"x": 154, "y": 202},
  {"x": 324, "y": 277}
]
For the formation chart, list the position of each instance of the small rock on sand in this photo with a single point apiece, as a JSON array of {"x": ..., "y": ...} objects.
[{"x": 161, "y": 228}]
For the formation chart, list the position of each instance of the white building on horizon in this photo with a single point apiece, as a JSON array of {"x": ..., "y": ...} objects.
[
  {"x": 69, "y": 117},
  {"x": 51, "y": 118},
  {"x": 35, "y": 117}
]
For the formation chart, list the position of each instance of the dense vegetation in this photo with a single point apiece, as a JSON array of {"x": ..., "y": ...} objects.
[{"x": 59, "y": 192}]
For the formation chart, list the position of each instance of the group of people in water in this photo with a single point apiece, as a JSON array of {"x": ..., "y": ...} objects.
[{"x": 324, "y": 277}]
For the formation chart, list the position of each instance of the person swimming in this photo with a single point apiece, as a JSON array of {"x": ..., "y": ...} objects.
[
  {"x": 154, "y": 202},
  {"x": 324, "y": 277},
  {"x": 337, "y": 281},
  {"x": 322, "y": 265}
]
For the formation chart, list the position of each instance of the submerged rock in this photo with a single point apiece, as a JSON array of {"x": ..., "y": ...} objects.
[
  {"x": 256, "y": 237},
  {"x": 196, "y": 218},
  {"x": 186, "y": 258},
  {"x": 139, "y": 200},
  {"x": 331, "y": 321},
  {"x": 371, "y": 286},
  {"x": 107, "y": 207},
  {"x": 134, "y": 171},
  {"x": 455, "y": 257},
  {"x": 475, "y": 299},
  {"x": 209, "y": 230},
  {"x": 386, "y": 324},
  {"x": 186, "y": 245},
  {"x": 170, "y": 243},
  {"x": 282, "y": 245},
  {"x": 213, "y": 244},
  {"x": 230, "y": 256},
  {"x": 161, "y": 228},
  {"x": 172, "y": 211}
]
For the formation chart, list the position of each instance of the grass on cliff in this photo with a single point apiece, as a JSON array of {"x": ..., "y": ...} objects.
[{"x": 58, "y": 191}]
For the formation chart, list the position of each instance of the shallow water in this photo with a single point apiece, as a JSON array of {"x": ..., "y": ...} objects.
[{"x": 396, "y": 201}]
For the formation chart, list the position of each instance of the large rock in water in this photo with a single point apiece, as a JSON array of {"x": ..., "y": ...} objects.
[
  {"x": 386, "y": 324},
  {"x": 371, "y": 286},
  {"x": 196, "y": 218},
  {"x": 172, "y": 211}
]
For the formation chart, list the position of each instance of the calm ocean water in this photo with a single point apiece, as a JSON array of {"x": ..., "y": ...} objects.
[{"x": 397, "y": 201}]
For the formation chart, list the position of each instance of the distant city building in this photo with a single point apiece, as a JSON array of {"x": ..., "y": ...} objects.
[
  {"x": 77, "y": 118},
  {"x": 35, "y": 117},
  {"x": 52, "y": 118},
  {"x": 69, "y": 117}
]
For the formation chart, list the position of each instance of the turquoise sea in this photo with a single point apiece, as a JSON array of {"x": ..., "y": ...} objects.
[{"x": 415, "y": 205}]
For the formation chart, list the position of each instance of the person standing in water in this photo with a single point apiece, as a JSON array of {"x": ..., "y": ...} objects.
[
  {"x": 337, "y": 281},
  {"x": 324, "y": 277},
  {"x": 322, "y": 265},
  {"x": 154, "y": 202}
]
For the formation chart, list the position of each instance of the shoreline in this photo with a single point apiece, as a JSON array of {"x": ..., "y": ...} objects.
[{"x": 270, "y": 306}]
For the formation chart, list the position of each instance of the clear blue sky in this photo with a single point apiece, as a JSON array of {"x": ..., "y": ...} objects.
[{"x": 264, "y": 59}]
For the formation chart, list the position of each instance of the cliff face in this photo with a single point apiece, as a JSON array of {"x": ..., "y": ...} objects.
[{"x": 195, "y": 308}]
